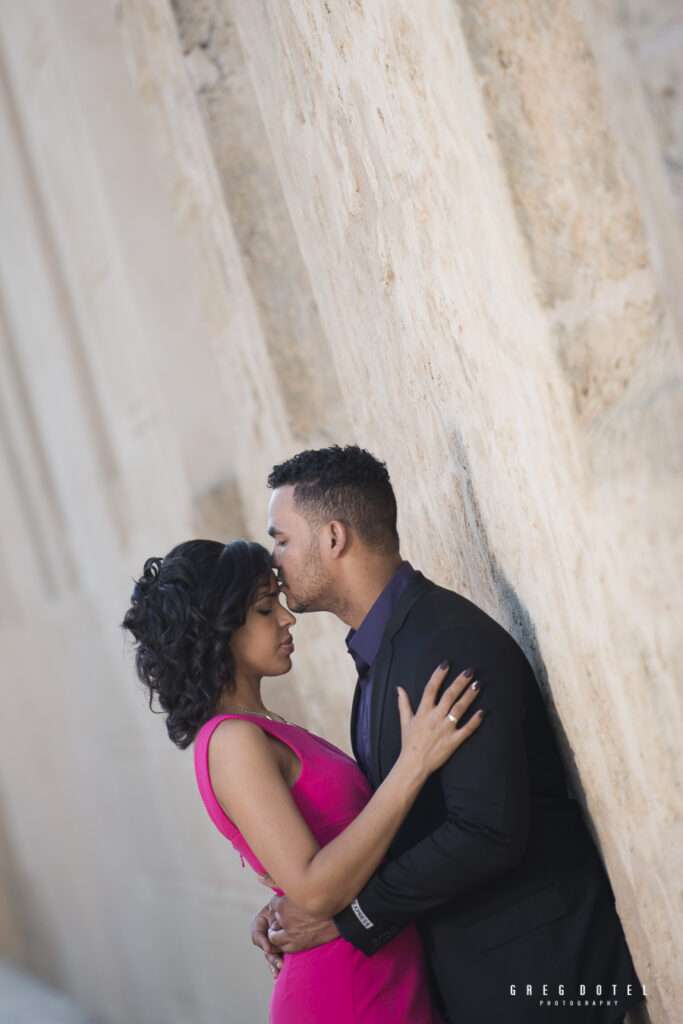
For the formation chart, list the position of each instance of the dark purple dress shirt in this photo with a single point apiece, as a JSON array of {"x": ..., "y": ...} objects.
[{"x": 363, "y": 646}]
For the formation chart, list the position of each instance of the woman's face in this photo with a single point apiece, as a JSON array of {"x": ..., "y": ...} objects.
[{"x": 263, "y": 645}]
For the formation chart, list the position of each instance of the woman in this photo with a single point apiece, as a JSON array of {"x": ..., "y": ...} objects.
[{"x": 208, "y": 625}]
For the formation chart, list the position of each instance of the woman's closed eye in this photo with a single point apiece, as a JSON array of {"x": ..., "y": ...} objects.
[{"x": 268, "y": 601}]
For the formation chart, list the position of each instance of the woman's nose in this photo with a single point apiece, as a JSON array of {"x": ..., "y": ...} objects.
[{"x": 286, "y": 617}]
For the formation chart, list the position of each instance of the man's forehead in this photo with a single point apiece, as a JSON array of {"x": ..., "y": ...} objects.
[
  {"x": 281, "y": 507},
  {"x": 282, "y": 499}
]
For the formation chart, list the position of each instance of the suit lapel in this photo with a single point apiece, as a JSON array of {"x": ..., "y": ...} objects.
[
  {"x": 354, "y": 721},
  {"x": 416, "y": 588}
]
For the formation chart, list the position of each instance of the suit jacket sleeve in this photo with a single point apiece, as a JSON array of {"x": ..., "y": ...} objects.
[{"x": 485, "y": 791}]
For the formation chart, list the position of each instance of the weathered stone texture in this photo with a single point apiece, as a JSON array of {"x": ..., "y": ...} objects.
[
  {"x": 539, "y": 81},
  {"x": 447, "y": 231},
  {"x": 637, "y": 46},
  {"x": 654, "y": 33},
  {"x": 269, "y": 250}
]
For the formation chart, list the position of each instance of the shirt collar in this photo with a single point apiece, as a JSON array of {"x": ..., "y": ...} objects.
[{"x": 363, "y": 643}]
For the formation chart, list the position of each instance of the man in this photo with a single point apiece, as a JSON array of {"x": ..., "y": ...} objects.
[{"x": 494, "y": 861}]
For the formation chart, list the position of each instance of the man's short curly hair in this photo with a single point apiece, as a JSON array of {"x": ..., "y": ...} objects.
[{"x": 348, "y": 484}]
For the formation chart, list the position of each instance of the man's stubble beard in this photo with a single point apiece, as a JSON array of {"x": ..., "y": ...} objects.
[{"x": 318, "y": 591}]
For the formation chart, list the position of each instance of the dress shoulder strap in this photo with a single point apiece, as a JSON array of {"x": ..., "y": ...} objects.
[{"x": 293, "y": 735}]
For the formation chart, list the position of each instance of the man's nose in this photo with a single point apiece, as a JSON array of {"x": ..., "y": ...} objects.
[{"x": 274, "y": 560}]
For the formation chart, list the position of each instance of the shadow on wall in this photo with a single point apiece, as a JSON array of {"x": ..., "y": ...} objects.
[
  {"x": 512, "y": 613},
  {"x": 24, "y": 933}
]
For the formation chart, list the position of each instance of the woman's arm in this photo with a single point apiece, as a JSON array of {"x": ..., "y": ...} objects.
[{"x": 247, "y": 780}]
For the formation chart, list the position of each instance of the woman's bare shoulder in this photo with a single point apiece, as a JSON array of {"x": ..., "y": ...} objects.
[
  {"x": 236, "y": 744},
  {"x": 237, "y": 733}
]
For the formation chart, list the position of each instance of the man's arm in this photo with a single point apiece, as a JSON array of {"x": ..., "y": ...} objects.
[
  {"x": 485, "y": 789},
  {"x": 282, "y": 927}
]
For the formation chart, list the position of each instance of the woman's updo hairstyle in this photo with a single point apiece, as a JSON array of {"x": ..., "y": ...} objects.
[{"x": 183, "y": 611}]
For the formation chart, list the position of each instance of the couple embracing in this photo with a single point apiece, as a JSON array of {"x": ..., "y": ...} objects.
[{"x": 444, "y": 874}]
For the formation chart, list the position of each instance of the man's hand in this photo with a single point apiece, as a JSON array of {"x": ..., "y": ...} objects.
[
  {"x": 293, "y": 930},
  {"x": 282, "y": 927}
]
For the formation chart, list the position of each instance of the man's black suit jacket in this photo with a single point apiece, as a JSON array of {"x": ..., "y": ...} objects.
[{"x": 494, "y": 861}]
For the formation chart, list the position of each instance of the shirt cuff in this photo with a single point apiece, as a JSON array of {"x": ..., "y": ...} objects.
[{"x": 356, "y": 927}]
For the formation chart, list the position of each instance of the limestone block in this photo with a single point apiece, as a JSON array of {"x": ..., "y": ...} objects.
[
  {"x": 635, "y": 46},
  {"x": 268, "y": 246},
  {"x": 654, "y": 32},
  {"x": 541, "y": 89}
]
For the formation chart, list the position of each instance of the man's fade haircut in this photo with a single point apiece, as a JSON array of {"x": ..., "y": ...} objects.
[{"x": 348, "y": 484}]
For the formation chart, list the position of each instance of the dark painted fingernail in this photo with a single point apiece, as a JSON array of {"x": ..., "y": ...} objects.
[
  {"x": 468, "y": 673},
  {"x": 475, "y": 684},
  {"x": 482, "y": 713},
  {"x": 443, "y": 665}
]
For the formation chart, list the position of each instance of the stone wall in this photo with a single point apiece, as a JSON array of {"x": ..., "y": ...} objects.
[{"x": 450, "y": 232}]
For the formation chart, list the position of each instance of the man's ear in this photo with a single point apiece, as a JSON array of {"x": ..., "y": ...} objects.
[{"x": 338, "y": 537}]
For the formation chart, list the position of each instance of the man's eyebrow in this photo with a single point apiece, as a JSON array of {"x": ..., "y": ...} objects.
[{"x": 273, "y": 531}]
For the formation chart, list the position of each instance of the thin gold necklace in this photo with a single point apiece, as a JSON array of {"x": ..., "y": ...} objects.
[{"x": 261, "y": 714}]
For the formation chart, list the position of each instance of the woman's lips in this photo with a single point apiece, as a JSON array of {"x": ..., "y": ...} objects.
[{"x": 288, "y": 646}]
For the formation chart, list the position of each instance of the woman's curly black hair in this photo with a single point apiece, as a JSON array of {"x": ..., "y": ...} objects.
[{"x": 183, "y": 611}]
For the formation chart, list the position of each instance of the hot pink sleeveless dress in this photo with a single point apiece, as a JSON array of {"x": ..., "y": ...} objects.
[{"x": 334, "y": 983}]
